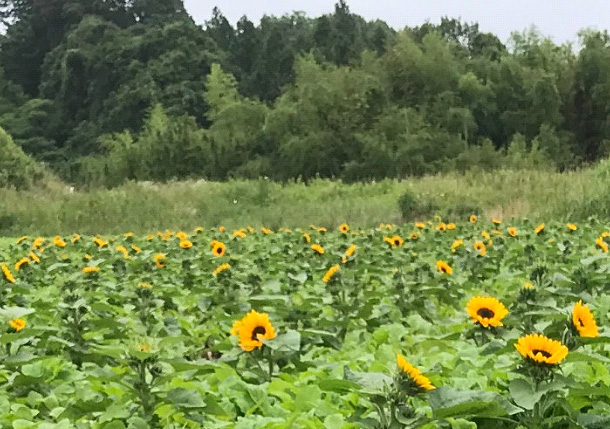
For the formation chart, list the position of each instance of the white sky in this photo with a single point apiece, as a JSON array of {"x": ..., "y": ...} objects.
[{"x": 559, "y": 19}]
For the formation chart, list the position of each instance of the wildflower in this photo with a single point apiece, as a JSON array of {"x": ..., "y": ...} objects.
[
  {"x": 306, "y": 238},
  {"x": 344, "y": 228},
  {"x": 486, "y": 311},
  {"x": 122, "y": 249},
  {"x": 540, "y": 349},
  {"x": 59, "y": 242},
  {"x": 253, "y": 328},
  {"x": 351, "y": 250},
  {"x": 34, "y": 257}
]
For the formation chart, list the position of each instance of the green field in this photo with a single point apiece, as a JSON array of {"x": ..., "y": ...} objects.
[
  {"x": 143, "y": 342},
  {"x": 147, "y": 207}
]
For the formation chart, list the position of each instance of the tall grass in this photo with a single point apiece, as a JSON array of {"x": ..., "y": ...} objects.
[{"x": 145, "y": 207}]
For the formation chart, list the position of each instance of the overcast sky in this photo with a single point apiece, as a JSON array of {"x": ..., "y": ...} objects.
[{"x": 559, "y": 19}]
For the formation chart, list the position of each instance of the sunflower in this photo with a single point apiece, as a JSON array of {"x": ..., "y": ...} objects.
[
  {"x": 541, "y": 349},
  {"x": 473, "y": 218},
  {"x": 199, "y": 230},
  {"x": 150, "y": 237},
  {"x": 239, "y": 233},
  {"x": 22, "y": 262},
  {"x": 344, "y": 228},
  {"x": 479, "y": 246},
  {"x": 90, "y": 270},
  {"x": 266, "y": 231},
  {"x": 221, "y": 268},
  {"x": 571, "y": 226},
  {"x": 128, "y": 235},
  {"x": 351, "y": 250},
  {"x": 441, "y": 227},
  {"x": 221, "y": 228},
  {"x": 253, "y": 328},
  {"x": 251, "y": 230},
  {"x": 145, "y": 285},
  {"x": 317, "y": 248},
  {"x": 539, "y": 228},
  {"x": 420, "y": 225},
  {"x": 100, "y": 243},
  {"x": 451, "y": 226},
  {"x": 17, "y": 324},
  {"x": 605, "y": 234},
  {"x": 414, "y": 375},
  {"x": 414, "y": 236},
  {"x": 486, "y": 311},
  {"x": 38, "y": 242},
  {"x": 8, "y": 276},
  {"x": 181, "y": 235},
  {"x": 76, "y": 238},
  {"x": 485, "y": 235},
  {"x": 332, "y": 271},
  {"x": 443, "y": 267},
  {"x": 306, "y": 238},
  {"x": 22, "y": 239},
  {"x": 122, "y": 249},
  {"x": 186, "y": 244},
  {"x": 496, "y": 221},
  {"x": 528, "y": 286},
  {"x": 583, "y": 321},
  {"x": 87, "y": 257},
  {"x": 135, "y": 248},
  {"x": 512, "y": 231},
  {"x": 602, "y": 244},
  {"x": 397, "y": 241},
  {"x": 456, "y": 245},
  {"x": 159, "y": 260},
  {"x": 34, "y": 257},
  {"x": 59, "y": 242},
  {"x": 219, "y": 249}
]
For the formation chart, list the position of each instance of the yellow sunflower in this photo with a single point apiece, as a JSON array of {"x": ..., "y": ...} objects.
[
  {"x": 419, "y": 380},
  {"x": 22, "y": 262},
  {"x": 451, "y": 226},
  {"x": 159, "y": 260},
  {"x": 496, "y": 221},
  {"x": 456, "y": 245},
  {"x": 219, "y": 249},
  {"x": 332, "y": 271},
  {"x": 90, "y": 270},
  {"x": 8, "y": 276},
  {"x": 221, "y": 228},
  {"x": 122, "y": 249},
  {"x": 317, "y": 248},
  {"x": 541, "y": 349},
  {"x": 528, "y": 286},
  {"x": 485, "y": 235},
  {"x": 571, "y": 226},
  {"x": 199, "y": 230},
  {"x": 186, "y": 244},
  {"x": 22, "y": 239},
  {"x": 266, "y": 231},
  {"x": 351, "y": 250},
  {"x": 239, "y": 233},
  {"x": 181, "y": 235},
  {"x": 76, "y": 238},
  {"x": 486, "y": 311},
  {"x": 135, "y": 248},
  {"x": 253, "y": 328},
  {"x": 34, "y": 257},
  {"x": 344, "y": 228},
  {"x": 221, "y": 268},
  {"x": 17, "y": 324},
  {"x": 441, "y": 227},
  {"x": 602, "y": 244},
  {"x": 420, "y": 225},
  {"x": 443, "y": 267},
  {"x": 414, "y": 236},
  {"x": 512, "y": 231},
  {"x": 539, "y": 228},
  {"x": 59, "y": 242},
  {"x": 583, "y": 321},
  {"x": 473, "y": 218},
  {"x": 306, "y": 238},
  {"x": 479, "y": 246}
]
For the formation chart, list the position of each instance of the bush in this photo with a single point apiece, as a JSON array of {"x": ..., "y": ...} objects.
[
  {"x": 17, "y": 170},
  {"x": 412, "y": 207}
]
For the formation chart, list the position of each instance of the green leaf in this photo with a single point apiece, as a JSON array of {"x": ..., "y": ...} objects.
[
  {"x": 523, "y": 394},
  {"x": 186, "y": 398},
  {"x": 290, "y": 342},
  {"x": 449, "y": 402},
  {"x": 370, "y": 382}
]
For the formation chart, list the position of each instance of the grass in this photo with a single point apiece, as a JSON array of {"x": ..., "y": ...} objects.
[{"x": 145, "y": 207}]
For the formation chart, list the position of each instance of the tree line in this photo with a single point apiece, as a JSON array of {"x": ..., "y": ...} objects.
[{"x": 104, "y": 91}]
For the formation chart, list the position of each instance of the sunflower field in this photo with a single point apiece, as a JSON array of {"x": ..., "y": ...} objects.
[{"x": 474, "y": 324}]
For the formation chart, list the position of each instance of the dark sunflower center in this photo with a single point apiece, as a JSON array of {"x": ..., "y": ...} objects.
[
  {"x": 542, "y": 352},
  {"x": 259, "y": 330},
  {"x": 219, "y": 250},
  {"x": 396, "y": 242},
  {"x": 580, "y": 322},
  {"x": 486, "y": 313}
]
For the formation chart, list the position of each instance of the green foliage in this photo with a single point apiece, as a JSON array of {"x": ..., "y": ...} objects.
[{"x": 17, "y": 170}]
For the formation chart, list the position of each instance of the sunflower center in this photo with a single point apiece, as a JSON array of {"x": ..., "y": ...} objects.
[
  {"x": 580, "y": 322},
  {"x": 219, "y": 250},
  {"x": 486, "y": 313},
  {"x": 259, "y": 330},
  {"x": 542, "y": 352},
  {"x": 396, "y": 243}
]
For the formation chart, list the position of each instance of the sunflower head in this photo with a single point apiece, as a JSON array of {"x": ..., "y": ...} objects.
[
  {"x": 601, "y": 243},
  {"x": 319, "y": 250},
  {"x": 486, "y": 311},
  {"x": 512, "y": 231},
  {"x": 344, "y": 228},
  {"x": 219, "y": 249},
  {"x": 441, "y": 227},
  {"x": 444, "y": 267},
  {"x": 186, "y": 244},
  {"x": 397, "y": 241},
  {"x": 414, "y": 236},
  {"x": 306, "y": 238},
  {"x": 21, "y": 263},
  {"x": 91, "y": 270},
  {"x": 8, "y": 276},
  {"x": 583, "y": 321},
  {"x": 538, "y": 349},
  {"x": 451, "y": 226},
  {"x": 496, "y": 221},
  {"x": 409, "y": 379},
  {"x": 420, "y": 225},
  {"x": 221, "y": 269},
  {"x": 159, "y": 260},
  {"x": 351, "y": 250},
  {"x": 539, "y": 228},
  {"x": 571, "y": 226},
  {"x": 456, "y": 245},
  {"x": 331, "y": 273},
  {"x": 252, "y": 329},
  {"x": 480, "y": 247},
  {"x": 266, "y": 231},
  {"x": 473, "y": 218},
  {"x": 17, "y": 324}
]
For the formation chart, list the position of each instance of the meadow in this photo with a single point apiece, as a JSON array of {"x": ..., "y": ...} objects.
[
  {"x": 425, "y": 325},
  {"x": 142, "y": 207}
]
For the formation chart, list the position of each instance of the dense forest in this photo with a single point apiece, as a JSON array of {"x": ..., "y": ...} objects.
[{"x": 103, "y": 91}]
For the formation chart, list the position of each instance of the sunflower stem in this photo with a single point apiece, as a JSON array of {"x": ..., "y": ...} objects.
[{"x": 270, "y": 362}]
